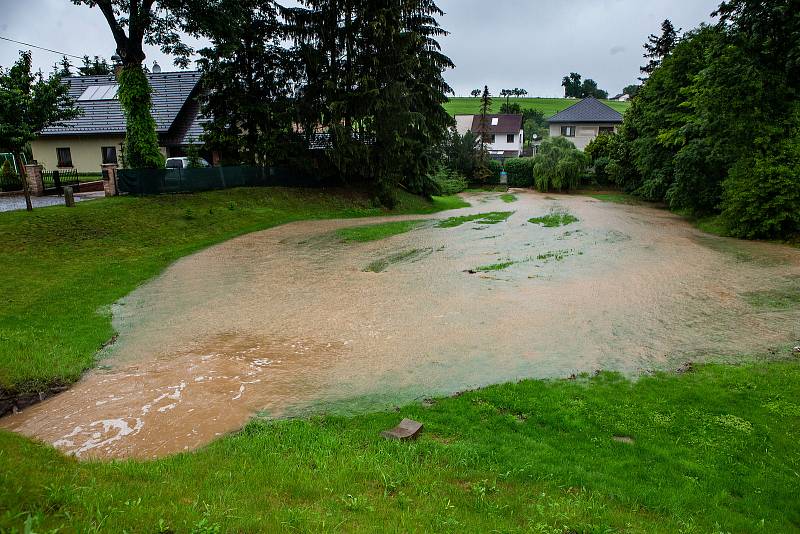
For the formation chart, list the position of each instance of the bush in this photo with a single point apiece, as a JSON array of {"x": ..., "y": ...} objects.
[
  {"x": 601, "y": 170},
  {"x": 558, "y": 165},
  {"x": 599, "y": 147},
  {"x": 447, "y": 181},
  {"x": 495, "y": 167},
  {"x": 762, "y": 194},
  {"x": 520, "y": 172}
]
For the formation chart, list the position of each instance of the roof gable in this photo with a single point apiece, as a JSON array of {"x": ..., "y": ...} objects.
[
  {"x": 498, "y": 124},
  {"x": 171, "y": 90},
  {"x": 587, "y": 110}
]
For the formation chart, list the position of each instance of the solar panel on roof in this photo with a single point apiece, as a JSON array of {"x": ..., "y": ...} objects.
[{"x": 99, "y": 92}]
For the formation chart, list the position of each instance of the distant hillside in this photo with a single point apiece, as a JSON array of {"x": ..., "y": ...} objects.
[{"x": 550, "y": 106}]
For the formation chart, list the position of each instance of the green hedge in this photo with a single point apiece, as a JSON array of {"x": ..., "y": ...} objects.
[{"x": 520, "y": 172}]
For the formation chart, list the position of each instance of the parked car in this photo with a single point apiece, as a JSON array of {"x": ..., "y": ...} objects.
[{"x": 183, "y": 163}]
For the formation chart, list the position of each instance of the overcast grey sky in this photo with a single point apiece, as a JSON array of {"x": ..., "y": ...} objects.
[{"x": 503, "y": 43}]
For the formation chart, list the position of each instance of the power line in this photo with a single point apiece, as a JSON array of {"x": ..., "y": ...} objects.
[{"x": 41, "y": 48}]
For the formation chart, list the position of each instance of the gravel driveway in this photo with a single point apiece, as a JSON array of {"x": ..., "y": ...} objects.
[{"x": 17, "y": 202}]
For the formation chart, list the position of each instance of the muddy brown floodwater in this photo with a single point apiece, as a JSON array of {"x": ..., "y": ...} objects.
[{"x": 288, "y": 321}]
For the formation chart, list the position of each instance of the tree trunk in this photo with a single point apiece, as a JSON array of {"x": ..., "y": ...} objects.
[{"x": 25, "y": 186}]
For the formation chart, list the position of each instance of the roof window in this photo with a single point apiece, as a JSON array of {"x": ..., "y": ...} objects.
[
  {"x": 495, "y": 120},
  {"x": 99, "y": 92}
]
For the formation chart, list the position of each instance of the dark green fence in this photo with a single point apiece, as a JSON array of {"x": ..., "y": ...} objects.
[{"x": 159, "y": 181}]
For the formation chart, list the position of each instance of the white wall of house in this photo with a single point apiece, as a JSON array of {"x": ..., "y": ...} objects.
[
  {"x": 583, "y": 134},
  {"x": 463, "y": 123},
  {"x": 501, "y": 142}
]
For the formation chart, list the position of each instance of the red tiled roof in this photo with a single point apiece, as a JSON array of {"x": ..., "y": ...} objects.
[{"x": 506, "y": 124}]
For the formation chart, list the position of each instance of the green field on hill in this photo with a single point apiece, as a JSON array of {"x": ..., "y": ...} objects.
[{"x": 550, "y": 106}]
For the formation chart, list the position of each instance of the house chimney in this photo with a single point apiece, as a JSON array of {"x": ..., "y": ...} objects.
[{"x": 156, "y": 67}]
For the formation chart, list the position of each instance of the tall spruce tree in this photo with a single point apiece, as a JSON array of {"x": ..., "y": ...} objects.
[
  {"x": 658, "y": 47},
  {"x": 246, "y": 80},
  {"x": 484, "y": 137},
  {"x": 372, "y": 81}
]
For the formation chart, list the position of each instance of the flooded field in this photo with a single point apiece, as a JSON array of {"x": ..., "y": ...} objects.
[{"x": 293, "y": 320}]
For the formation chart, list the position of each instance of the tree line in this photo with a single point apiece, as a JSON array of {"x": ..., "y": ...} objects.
[
  {"x": 359, "y": 79},
  {"x": 715, "y": 127}
]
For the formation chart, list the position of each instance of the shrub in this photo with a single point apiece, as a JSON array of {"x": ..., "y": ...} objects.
[
  {"x": 558, "y": 165},
  {"x": 520, "y": 172},
  {"x": 448, "y": 182},
  {"x": 599, "y": 147},
  {"x": 601, "y": 170},
  {"x": 495, "y": 167},
  {"x": 762, "y": 193}
]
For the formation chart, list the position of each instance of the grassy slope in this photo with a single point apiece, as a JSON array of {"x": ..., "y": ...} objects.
[
  {"x": 716, "y": 450},
  {"x": 63, "y": 267},
  {"x": 549, "y": 106}
]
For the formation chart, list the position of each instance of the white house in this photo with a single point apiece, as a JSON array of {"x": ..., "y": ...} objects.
[
  {"x": 504, "y": 132},
  {"x": 584, "y": 121}
]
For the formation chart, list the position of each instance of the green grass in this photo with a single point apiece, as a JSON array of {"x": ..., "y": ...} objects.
[
  {"x": 714, "y": 450},
  {"x": 492, "y": 217},
  {"x": 554, "y": 219},
  {"x": 63, "y": 267},
  {"x": 494, "y": 267},
  {"x": 774, "y": 299},
  {"x": 508, "y": 198},
  {"x": 548, "y": 106},
  {"x": 374, "y": 232}
]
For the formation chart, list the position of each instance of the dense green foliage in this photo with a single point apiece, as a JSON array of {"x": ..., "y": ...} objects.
[
  {"x": 716, "y": 126},
  {"x": 520, "y": 172},
  {"x": 123, "y": 242},
  {"x": 246, "y": 81},
  {"x": 558, "y": 165},
  {"x": 371, "y": 83},
  {"x": 448, "y": 182},
  {"x": 714, "y": 450},
  {"x": 29, "y": 102},
  {"x": 141, "y": 147}
]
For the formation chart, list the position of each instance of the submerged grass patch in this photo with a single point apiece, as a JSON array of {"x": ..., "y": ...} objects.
[
  {"x": 494, "y": 267},
  {"x": 554, "y": 219},
  {"x": 713, "y": 450},
  {"x": 508, "y": 198},
  {"x": 64, "y": 264},
  {"x": 616, "y": 198},
  {"x": 492, "y": 217},
  {"x": 382, "y": 264},
  {"x": 374, "y": 232},
  {"x": 774, "y": 299},
  {"x": 557, "y": 255}
]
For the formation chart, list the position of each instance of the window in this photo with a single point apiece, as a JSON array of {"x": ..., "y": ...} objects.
[
  {"x": 64, "y": 157},
  {"x": 606, "y": 129},
  {"x": 510, "y": 138},
  {"x": 495, "y": 120},
  {"x": 109, "y": 154},
  {"x": 494, "y": 137},
  {"x": 568, "y": 131},
  {"x": 99, "y": 92}
]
